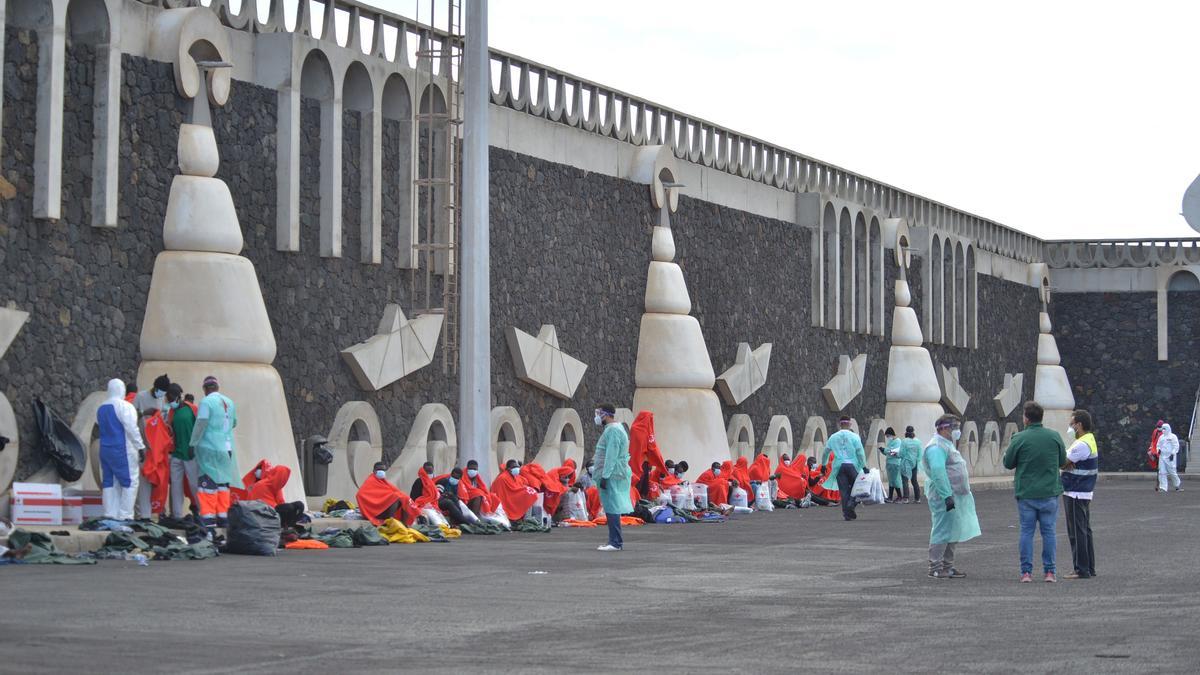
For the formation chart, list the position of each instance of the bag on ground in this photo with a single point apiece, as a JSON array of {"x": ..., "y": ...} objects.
[
  {"x": 738, "y": 497},
  {"x": 253, "y": 529},
  {"x": 434, "y": 517},
  {"x": 762, "y": 501}
]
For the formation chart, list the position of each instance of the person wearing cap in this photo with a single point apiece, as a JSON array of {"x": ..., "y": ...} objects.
[
  {"x": 910, "y": 458},
  {"x": 216, "y": 458},
  {"x": 850, "y": 458},
  {"x": 951, "y": 504},
  {"x": 894, "y": 465},
  {"x": 612, "y": 473}
]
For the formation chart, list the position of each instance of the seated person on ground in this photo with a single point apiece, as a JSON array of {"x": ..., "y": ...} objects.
[
  {"x": 448, "y": 499},
  {"x": 816, "y": 476},
  {"x": 552, "y": 489},
  {"x": 474, "y": 492},
  {"x": 424, "y": 492},
  {"x": 513, "y": 492},
  {"x": 265, "y": 483},
  {"x": 717, "y": 483},
  {"x": 791, "y": 478},
  {"x": 379, "y": 499}
]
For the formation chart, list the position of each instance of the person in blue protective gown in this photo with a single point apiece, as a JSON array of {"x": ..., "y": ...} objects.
[
  {"x": 613, "y": 475},
  {"x": 948, "y": 492},
  {"x": 849, "y": 459},
  {"x": 894, "y": 465},
  {"x": 910, "y": 459},
  {"x": 212, "y": 438}
]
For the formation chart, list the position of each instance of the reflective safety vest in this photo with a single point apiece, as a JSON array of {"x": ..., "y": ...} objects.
[{"x": 1082, "y": 478}]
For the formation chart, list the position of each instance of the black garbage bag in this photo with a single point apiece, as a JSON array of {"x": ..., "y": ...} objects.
[
  {"x": 253, "y": 529},
  {"x": 60, "y": 444}
]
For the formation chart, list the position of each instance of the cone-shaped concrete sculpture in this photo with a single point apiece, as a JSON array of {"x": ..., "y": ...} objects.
[
  {"x": 913, "y": 394},
  {"x": 1050, "y": 385},
  {"x": 674, "y": 375},
  {"x": 206, "y": 315}
]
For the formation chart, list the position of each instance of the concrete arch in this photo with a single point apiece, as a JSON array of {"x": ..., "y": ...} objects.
[
  {"x": 318, "y": 81},
  {"x": 933, "y": 296},
  {"x": 358, "y": 90},
  {"x": 84, "y": 426},
  {"x": 357, "y": 434},
  {"x": 876, "y": 439},
  {"x": 968, "y": 443},
  {"x": 846, "y": 271},
  {"x": 563, "y": 439},
  {"x": 432, "y": 438},
  {"x": 778, "y": 440},
  {"x": 862, "y": 275},
  {"x": 972, "y": 306},
  {"x": 396, "y": 105},
  {"x": 88, "y": 22},
  {"x": 949, "y": 306},
  {"x": 827, "y": 283},
  {"x": 960, "y": 295},
  {"x": 815, "y": 435},
  {"x": 432, "y": 200},
  {"x": 359, "y": 97},
  {"x": 1010, "y": 430},
  {"x": 508, "y": 440},
  {"x": 989, "y": 451},
  {"x": 740, "y": 434},
  {"x": 875, "y": 303}
]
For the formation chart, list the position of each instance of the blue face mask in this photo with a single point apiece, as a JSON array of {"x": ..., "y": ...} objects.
[
  {"x": 716, "y": 472},
  {"x": 159, "y": 393},
  {"x": 515, "y": 471},
  {"x": 471, "y": 473},
  {"x": 174, "y": 405},
  {"x": 453, "y": 480}
]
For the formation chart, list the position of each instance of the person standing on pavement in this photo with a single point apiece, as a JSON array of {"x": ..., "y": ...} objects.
[
  {"x": 1168, "y": 453},
  {"x": 182, "y": 418},
  {"x": 1152, "y": 449},
  {"x": 1079, "y": 482},
  {"x": 120, "y": 444},
  {"x": 1036, "y": 454},
  {"x": 850, "y": 458},
  {"x": 212, "y": 443},
  {"x": 910, "y": 456},
  {"x": 612, "y": 473},
  {"x": 894, "y": 465},
  {"x": 951, "y": 504}
]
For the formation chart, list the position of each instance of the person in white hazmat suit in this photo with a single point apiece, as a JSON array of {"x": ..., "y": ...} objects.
[
  {"x": 1168, "y": 453},
  {"x": 120, "y": 443}
]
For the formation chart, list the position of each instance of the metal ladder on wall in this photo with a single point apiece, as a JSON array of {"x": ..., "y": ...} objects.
[
  {"x": 439, "y": 178},
  {"x": 1193, "y": 435}
]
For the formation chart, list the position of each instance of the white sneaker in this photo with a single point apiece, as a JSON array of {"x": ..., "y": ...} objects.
[{"x": 607, "y": 547}]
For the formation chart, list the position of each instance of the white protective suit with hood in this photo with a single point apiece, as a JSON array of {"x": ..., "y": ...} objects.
[
  {"x": 120, "y": 441},
  {"x": 1168, "y": 453}
]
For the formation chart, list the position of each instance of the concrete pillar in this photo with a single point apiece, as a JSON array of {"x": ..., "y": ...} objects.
[
  {"x": 106, "y": 138},
  {"x": 3, "y": 24},
  {"x": 47, "y": 154},
  {"x": 331, "y": 175},
  {"x": 287, "y": 171},
  {"x": 475, "y": 385}
]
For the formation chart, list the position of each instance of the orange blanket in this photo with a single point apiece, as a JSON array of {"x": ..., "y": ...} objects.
[
  {"x": 376, "y": 495},
  {"x": 626, "y": 521},
  {"x": 760, "y": 469},
  {"x": 312, "y": 544},
  {"x": 470, "y": 488},
  {"x": 642, "y": 445},
  {"x": 157, "y": 467},
  {"x": 268, "y": 489},
  {"x": 793, "y": 479},
  {"x": 514, "y": 495},
  {"x": 718, "y": 486}
]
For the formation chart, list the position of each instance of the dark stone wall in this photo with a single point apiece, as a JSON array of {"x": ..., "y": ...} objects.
[
  {"x": 568, "y": 248},
  {"x": 1109, "y": 347}
]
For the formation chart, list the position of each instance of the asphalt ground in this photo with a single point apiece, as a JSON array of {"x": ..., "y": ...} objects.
[{"x": 797, "y": 590}]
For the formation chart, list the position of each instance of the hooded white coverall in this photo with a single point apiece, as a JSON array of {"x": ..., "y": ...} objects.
[
  {"x": 120, "y": 441},
  {"x": 1168, "y": 452}
]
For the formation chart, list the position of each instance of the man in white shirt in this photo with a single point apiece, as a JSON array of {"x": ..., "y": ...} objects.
[{"x": 1079, "y": 483}]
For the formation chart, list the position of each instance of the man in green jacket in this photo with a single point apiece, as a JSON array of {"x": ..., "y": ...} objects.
[
  {"x": 1036, "y": 455},
  {"x": 182, "y": 417}
]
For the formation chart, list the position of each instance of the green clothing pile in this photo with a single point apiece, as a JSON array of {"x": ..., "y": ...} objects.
[
  {"x": 42, "y": 549},
  {"x": 482, "y": 527},
  {"x": 530, "y": 525}
]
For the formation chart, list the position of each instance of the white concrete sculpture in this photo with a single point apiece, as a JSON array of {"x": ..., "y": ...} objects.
[
  {"x": 876, "y": 439},
  {"x": 399, "y": 348},
  {"x": 747, "y": 374},
  {"x": 673, "y": 374},
  {"x": 539, "y": 361},
  {"x": 816, "y": 432},
  {"x": 205, "y": 313},
  {"x": 508, "y": 440},
  {"x": 778, "y": 440},
  {"x": 740, "y": 435},
  {"x": 847, "y": 383},
  {"x": 913, "y": 395},
  {"x": 954, "y": 396},
  {"x": 1010, "y": 394},
  {"x": 563, "y": 440},
  {"x": 1051, "y": 388},
  {"x": 11, "y": 321}
]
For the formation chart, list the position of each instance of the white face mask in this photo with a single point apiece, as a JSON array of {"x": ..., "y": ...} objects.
[
  {"x": 516, "y": 470},
  {"x": 889, "y": 439},
  {"x": 955, "y": 435},
  {"x": 716, "y": 472},
  {"x": 1070, "y": 431},
  {"x": 258, "y": 473},
  {"x": 381, "y": 474},
  {"x": 471, "y": 473},
  {"x": 787, "y": 462},
  {"x": 598, "y": 420}
]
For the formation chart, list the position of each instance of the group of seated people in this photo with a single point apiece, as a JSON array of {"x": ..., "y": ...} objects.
[{"x": 566, "y": 493}]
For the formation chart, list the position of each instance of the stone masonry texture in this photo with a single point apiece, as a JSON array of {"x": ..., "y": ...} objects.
[{"x": 569, "y": 248}]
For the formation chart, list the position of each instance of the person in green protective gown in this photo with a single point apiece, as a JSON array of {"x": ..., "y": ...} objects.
[
  {"x": 212, "y": 441},
  {"x": 613, "y": 473},
  {"x": 951, "y": 504},
  {"x": 850, "y": 459},
  {"x": 891, "y": 452},
  {"x": 910, "y": 459}
]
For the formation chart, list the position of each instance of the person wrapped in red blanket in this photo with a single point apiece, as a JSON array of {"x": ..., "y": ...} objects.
[
  {"x": 379, "y": 499},
  {"x": 474, "y": 492},
  {"x": 265, "y": 483},
  {"x": 645, "y": 456},
  {"x": 156, "y": 468},
  {"x": 513, "y": 493},
  {"x": 551, "y": 487},
  {"x": 816, "y": 477},
  {"x": 717, "y": 481}
]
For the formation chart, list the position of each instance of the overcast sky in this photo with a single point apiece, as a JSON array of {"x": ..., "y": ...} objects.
[{"x": 1062, "y": 119}]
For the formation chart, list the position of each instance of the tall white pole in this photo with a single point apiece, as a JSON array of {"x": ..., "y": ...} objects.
[{"x": 475, "y": 354}]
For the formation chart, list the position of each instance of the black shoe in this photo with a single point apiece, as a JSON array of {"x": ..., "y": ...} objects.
[
  {"x": 853, "y": 515},
  {"x": 955, "y": 574}
]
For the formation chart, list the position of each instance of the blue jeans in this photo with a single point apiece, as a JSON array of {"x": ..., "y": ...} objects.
[
  {"x": 1044, "y": 514},
  {"x": 614, "y": 530}
]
